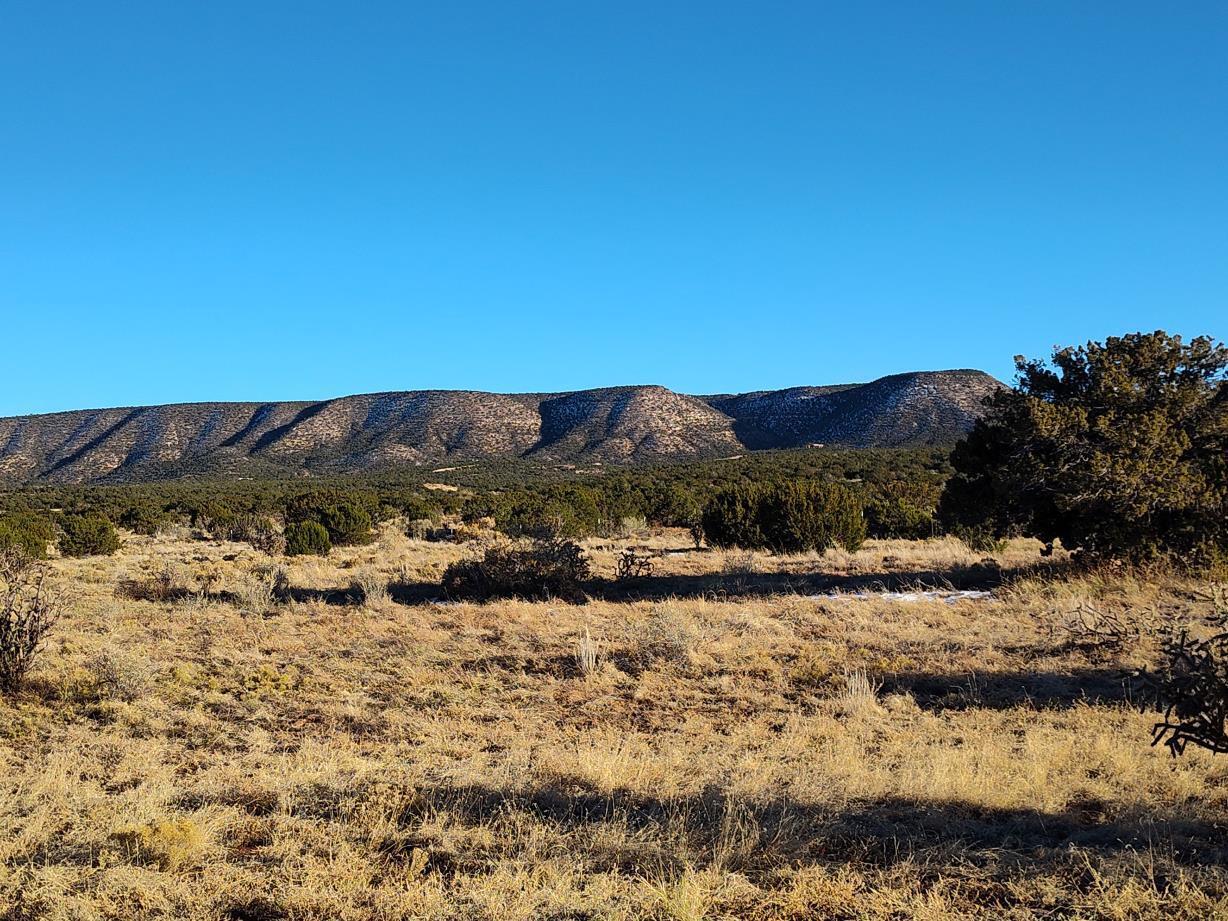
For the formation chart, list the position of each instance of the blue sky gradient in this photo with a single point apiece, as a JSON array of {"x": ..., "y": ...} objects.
[{"x": 298, "y": 200}]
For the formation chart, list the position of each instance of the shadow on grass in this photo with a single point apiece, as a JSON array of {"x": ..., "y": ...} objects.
[
  {"x": 659, "y": 838},
  {"x": 734, "y": 586},
  {"x": 331, "y": 596},
  {"x": 754, "y": 585},
  {"x": 716, "y": 586},
  {"x": 761, "y": 836},
  {"x": 1004, "y": 690},
  {"x": 149, "y": 590},
  {"x": 416, "y": 592}
]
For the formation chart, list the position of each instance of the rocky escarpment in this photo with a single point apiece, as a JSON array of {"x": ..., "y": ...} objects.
[
  {"x": 619, "y": 425},
  {"x": 929, "y": 407}
]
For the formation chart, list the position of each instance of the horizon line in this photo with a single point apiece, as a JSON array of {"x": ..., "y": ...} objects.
[{"x": 507, "y": 393}]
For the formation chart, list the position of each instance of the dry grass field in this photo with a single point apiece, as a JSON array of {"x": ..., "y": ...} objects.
[{"x": 734, "y": 736}]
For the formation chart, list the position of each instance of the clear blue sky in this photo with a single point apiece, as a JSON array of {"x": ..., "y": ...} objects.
[{"x": 258, "y": 200}]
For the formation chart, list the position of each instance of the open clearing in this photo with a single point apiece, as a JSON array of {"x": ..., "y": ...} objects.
[{"x": 713, "y": 741}]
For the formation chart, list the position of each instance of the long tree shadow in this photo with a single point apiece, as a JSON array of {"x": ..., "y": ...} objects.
[
  {"x": 654, "y": 837},
  {"x": 713, "y": 825},
  {"x": 1005, "y": 690},
  {"x": 934, "y": 691},
  {"x": 149, "y": 590},
  {"x": 329, "y": 596},
  {"x": 648, "y": 588},
  {"x": 416, "y": 592},
  {"x": 733, "y": 586},
  {"x": 752, "y": 585}
]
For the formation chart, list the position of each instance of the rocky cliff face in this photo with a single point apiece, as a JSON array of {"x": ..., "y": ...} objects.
[
  {"x": 619, "y": 425},
  {"x": 930, "y": 407}
]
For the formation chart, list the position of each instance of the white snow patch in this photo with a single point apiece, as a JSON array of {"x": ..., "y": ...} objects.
[{"x": 950, "y": 597}]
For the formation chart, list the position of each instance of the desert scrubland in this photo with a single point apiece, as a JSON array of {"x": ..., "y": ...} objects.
[{"x": 214, "y": 733}]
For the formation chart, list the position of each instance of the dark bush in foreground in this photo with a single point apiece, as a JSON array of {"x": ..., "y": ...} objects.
[
  {"x": 785, "y": 517},
  {"x": 87, "y": 535},
  {"x": 550, "y": 569},
  {"x": 307, "y": 537},
  {"x": 27, "y": 612},
  {"x": 27, "y": 533},
  {"x": 1119, "y": 449}
]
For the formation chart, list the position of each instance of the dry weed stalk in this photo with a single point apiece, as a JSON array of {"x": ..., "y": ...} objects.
[
  {"x": 263, "y": 588},
  {"x": 370, "y": 587},
  {"x": 588, "y": 654},
  {"x": 860, "y": 692}
]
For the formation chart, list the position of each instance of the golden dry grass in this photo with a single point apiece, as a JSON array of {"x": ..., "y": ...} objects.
[{"x": 746, "y": 750}]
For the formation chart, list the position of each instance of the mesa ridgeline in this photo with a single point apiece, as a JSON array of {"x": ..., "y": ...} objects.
[{"x": 620, "y": 425}]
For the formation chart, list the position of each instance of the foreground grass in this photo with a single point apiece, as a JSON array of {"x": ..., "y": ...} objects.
[{"x": 743, "y": 750}]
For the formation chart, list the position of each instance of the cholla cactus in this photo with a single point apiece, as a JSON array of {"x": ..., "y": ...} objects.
[
  {"x": 632, "y": 565},
  {"x": 1191, "y": 690},
  {"x": 27, "y": 611}
]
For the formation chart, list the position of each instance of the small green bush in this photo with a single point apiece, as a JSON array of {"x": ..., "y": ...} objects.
[
  {"x": 307, "y": 537},
  {"x": 26, "y": 532},
  {"x": 414, "y": 508},
  {"x": 980, "y": 539},
  {"x": 672, "y": 505},
  {"x": 418, "y": 528},
  {"x": 221, "y": 523},
  {"x": 87, "y": 535},
  {"x": 257, "y": 530},
  {"x": 211, "y": 516},
  {"x": 732, "y": 518},
  {"x": 899, "y": 518},
  {"x": 347, "y": 524},
  {"x": 348, "y": 519},
  {"x": 144, "y": 519}
]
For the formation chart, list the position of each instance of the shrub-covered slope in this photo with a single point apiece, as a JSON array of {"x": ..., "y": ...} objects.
[{"x": 618, "y": 425}]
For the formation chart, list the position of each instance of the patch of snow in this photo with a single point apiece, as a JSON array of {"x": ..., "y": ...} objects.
[{"x": 950, "y": 597}]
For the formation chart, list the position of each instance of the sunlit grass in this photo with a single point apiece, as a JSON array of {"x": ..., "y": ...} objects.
[{"x": 223, "y": 754}]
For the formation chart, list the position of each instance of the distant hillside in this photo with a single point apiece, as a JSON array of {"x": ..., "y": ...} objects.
[{"x": 618, "y": 425}]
